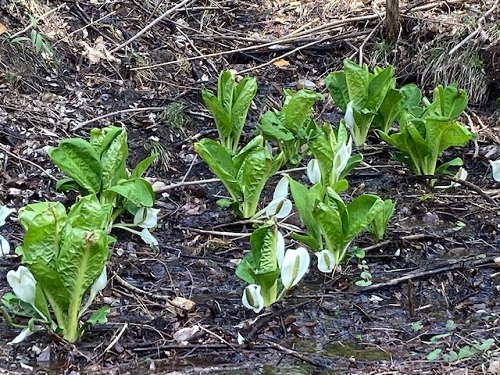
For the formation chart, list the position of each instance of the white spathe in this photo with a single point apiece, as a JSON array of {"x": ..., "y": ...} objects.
[
  {"x": 23, "y": 284},
  {"x": 326, "y": 261},
  {"x": 280, "y": 206},
  {"x": 98, "y": 285},
  {"x": 22, "y": 336},
  {"x": 146, "y": 217},
  {"x": 4, "y": 246},
  {"x": 349, "y": 117},
  {"x": 313, "y": 171},
  {"x": 148, "y": 238},
  {"x": 294, "y": 267},
  {"x": 4, "y": 212},
  {"x": 280, "y": 248},
  {"x": 252, "y": 299},
  {"x": 495, "y": 168},
  {"x": 341, "y": 158}
]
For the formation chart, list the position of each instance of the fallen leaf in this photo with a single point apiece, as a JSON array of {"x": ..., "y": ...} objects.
[{"x": 281, "y": 63}]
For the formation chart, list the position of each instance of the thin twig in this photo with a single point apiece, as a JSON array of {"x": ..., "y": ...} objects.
[
  {"x": 475, "y": 32},
  {"x": 434, "y": 271},
  {"x": 151, "y": 24},
  {"x": 84, "y": 27},
  {"x": 29, "y": 162},
  {"x": 32, "y": 24},
  {"x": 288, "y": 39},
  {"x": 128, "y": 110},
  {"x": 272, "y": 61}
]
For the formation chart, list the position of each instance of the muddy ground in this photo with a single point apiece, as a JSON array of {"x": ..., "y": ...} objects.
[{"x": 435, "y": 265}]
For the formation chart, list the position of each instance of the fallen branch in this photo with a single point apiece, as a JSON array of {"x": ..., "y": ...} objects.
[{"x": 419, "y": 273}]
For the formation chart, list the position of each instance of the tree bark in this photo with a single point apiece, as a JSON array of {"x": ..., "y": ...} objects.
[{"x": 391, "y": 27}]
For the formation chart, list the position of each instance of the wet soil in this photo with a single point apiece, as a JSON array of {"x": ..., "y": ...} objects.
[{"x": 435, "y": 265}]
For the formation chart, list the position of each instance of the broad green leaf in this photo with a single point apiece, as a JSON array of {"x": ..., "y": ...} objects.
[
  {"x": 298, "y": 109},
  {"x": 466, "y": 352},
  {"x": 273, "y": 129},
  {"x": 88, "y": 213},
  {"x": 358, "y": 80},
  {"x": 136, "y": 190},
  {"x": 43, "y": 223},
  {"x": 380, "y": 221},
  {"x": 221, "y": 117},
  {"x": 80, "y": 161},
  {"x": 220, "y": 163},
  {"x": 305, "y": 200},
  {"x": 330, "y": 222},
  {"x": 443, "y": 168},
  {"x": 378, "y": 87},
  {"x": 114, "y": 154},
  {"x": 337, "y": 87},
  {"x": 67, "y": 184},
  {"x": 82, "y": 258},
  {"x": 245, "y": 270},
  {"x": 389, "y": 110},
  {"x": 143, "y": 165},
  {"x": 52, "y": 285},
  {"x": 102, "y": 138},
  {"x": 362, "y": 210},
  {"x": 252, "y": 176},
  {"x": 449, "y": 102},
  {"x": 309, "y": 241},
  {"x": 243, "y": 95},
  {"x": 256, "y": 142}
]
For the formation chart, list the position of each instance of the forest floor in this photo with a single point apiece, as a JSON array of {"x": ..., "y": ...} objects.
[{"x": 434, "y": 273}]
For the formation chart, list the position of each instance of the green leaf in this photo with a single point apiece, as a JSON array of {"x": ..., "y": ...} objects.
[
  {"x": 378, "y": 88},
  {"x": 432, "y": 356},
  {"x": 486, "y": 344},
  {"x": 99, "y": 316},
  {"x": 443, "y": 168},
  {"x": 330, "y": 222},
  {"x": 80, "y": 161},
  {"x": 273, "y": 129},
  {"x": 136, "y": 190},
  {"x": 298, "y": 109},
  {"x": 362, "y": 210},
  {"x": 466, "y": 352},
  {"x": 114, "y": 152},
  {"x": 221, "y": 117},
  {"x": 83, "y": 256},
  {"x": 307, "y": 240},
  {"x": 43, "y": 223},
  {"x": 88, "y": 213},
  {"x": 357, "y": 79},
  {"x": 52, "y": 285},
  {"x": 336, "y": 85},
  {"x": 379, "y": 224},
  {"x": 244, "y": 93},
  {"x": 451, "y": 356},
  {"x": 252, "y": 176},
  {"x": 245, "y": 270},
  {"x": 143, "y": 165},
  {"x": 305, "y": 200},
  {"x": 219, "y": 161},
  {"x": 448, "y": 102}
]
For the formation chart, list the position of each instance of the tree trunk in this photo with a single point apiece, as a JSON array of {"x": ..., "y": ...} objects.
[{"x": 391, "y": 20}]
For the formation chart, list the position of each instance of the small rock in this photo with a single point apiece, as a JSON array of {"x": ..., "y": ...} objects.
[{"x": 306, "y": 84}]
